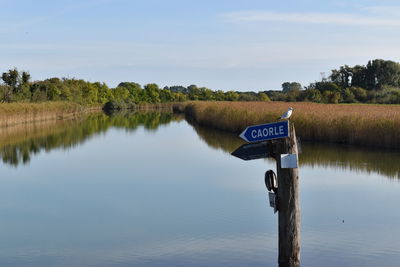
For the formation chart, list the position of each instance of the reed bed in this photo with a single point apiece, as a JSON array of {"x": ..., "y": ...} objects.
[
  {"x": 365, "y": 125},
  {"x": 18, "y": 108},
  {"x": 16, "y": 113}
]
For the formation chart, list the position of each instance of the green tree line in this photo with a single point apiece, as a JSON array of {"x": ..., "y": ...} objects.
[
  {"x": 376, "y": 82},
  {"x": 17, "y": 86}
]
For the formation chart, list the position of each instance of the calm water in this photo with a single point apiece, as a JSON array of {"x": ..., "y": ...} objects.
[{"x": 154, "y": 190}]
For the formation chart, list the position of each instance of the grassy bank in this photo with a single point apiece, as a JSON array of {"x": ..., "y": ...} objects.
[
  {"x": 366, "y": 125},
  {"x": 16, "y": 113}
]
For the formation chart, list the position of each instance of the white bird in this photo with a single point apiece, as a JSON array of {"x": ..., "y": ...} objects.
[{"x": 286, "y": 115}]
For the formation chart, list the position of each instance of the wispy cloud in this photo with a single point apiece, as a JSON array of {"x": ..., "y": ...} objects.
[
  {"x": 386, "y": 11},
  {"x": 313, "y": 18}
]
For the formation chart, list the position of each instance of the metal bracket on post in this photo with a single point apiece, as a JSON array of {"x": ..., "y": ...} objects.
[{"x": 272, "y": 186}]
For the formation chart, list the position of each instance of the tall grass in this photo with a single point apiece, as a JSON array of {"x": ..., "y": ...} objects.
[
  {"x": 16, "y": 113},
  {"x": 368, "y": 125},
  {"x": 18, "y": 108}
]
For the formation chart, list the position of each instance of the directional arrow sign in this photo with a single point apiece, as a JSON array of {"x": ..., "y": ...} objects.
[
  {"x": 252, "y": 151},
  {"x": 268, "y": 131}
]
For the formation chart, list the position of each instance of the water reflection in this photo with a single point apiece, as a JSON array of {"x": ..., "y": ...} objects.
[
  {"x": 216, "y": 139},
  {"x": 383, "y": 162},
  {"x": 186, "y": 205},
  {"x": 369, "y": 160},
  {"x": 18, "y": 144}
]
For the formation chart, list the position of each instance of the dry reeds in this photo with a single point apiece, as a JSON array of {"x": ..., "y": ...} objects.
[
  {"x": 369, "y": 125},
  {"x": 16, "y": 113},
  {"x": 17, "y": 108}
]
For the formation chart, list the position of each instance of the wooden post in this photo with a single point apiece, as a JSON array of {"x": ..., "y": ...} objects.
[{"x": 288, "y": 204}]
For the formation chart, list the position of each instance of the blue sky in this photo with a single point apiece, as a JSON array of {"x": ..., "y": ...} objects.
[{"x": 228, "y": 45}]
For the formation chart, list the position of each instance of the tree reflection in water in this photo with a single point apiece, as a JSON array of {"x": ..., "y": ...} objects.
[{"x": 19, "y": 143}]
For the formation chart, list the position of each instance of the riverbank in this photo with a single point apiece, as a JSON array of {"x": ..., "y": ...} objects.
[
  {"x": 17, "y": 113},
  {"x": 12, "y": 114},
  {"x": 364, "y": 125},
  {"x": 19, "y": 143}
]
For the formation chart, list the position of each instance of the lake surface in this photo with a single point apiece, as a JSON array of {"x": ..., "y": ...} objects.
[{"x": 151, "y": 189}]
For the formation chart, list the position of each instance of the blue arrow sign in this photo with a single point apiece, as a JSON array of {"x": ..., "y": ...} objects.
[{"x": 268, "y": 131}]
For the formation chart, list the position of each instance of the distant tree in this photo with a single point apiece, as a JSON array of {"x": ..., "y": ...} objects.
[
  {"x": 342, "y": 77},
  {"x": 276, "y": 95},
  {"x": 382, "y": 72},
  {"x": 313, "y": 95},
  {"x": 5, "y": 93},
  {"x": 121, "y": 94},
  {"x": 376, "y": 74},
  {"x": 325, "y": 86},
  {"x": 205, "y": 94},
  {"x": 231, "y": 96},
  {"x": 193, "y": 92},
  {"x": 53, "y": 93},
  {"x": 219, "y": 95},
  {"x": 151, "y": 92},
  {"x": 104, "y": 93},
  {"x": 387, "y": 95},
  {"x": 360, "y": 94},
  {"x": 90, "y": 93},
  {"x": 291, "y": 86},
  {"x": 180, "y": 97},
  {"x": 248, "y": 96},
  {"x": 167, "y": 95},
  {"x": 11, "y": 78},
  {"x": 331, "y": 97},
  {"x": 135, "y": 90},
  {"x": 348, "y": 96},
  {"x": 359, "y": 76},
  {"x": 18, "y": 84},
  {"x": 263, "y": 97},
  {"x": 25, "y": 77},
  {"x": 177, "y": 89},
  {"x": 293, "y": 95}
]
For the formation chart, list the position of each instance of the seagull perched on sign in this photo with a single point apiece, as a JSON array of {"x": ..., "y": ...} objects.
[{"x": 286, "y": 115}]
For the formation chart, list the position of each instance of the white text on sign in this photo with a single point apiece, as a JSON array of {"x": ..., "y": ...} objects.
[{"x": 267, "y": 132}]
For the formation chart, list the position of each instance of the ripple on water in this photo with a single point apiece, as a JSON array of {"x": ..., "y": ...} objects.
[{"x": 242, "y": 250}]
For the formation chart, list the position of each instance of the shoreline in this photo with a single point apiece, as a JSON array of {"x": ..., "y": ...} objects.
[
  {"x": 361, "y": 125},
  {"x": 13, "y": 114}
]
